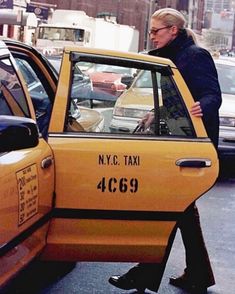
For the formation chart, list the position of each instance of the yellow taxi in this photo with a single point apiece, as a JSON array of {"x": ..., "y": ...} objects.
[{"x": 70, "y": 193}]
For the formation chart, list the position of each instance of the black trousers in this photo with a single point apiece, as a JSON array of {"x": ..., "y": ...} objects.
[{"x": 198, "y": 267}]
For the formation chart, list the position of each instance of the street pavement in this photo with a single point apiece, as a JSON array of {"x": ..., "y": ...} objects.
[{"x": 217, "y": 212}]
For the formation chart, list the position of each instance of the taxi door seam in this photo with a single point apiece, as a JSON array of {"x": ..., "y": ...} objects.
[{"x": 116, "y": 214}]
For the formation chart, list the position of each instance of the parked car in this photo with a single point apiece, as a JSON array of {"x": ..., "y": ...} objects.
[
  {"x": 133, "y": 105},
  {"x": 226, "y": 73},
  {"x": 109, "y": 80},
  {"x": 82, "y": 195}
]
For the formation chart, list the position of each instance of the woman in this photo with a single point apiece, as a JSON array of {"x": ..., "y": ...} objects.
[{"x": 172, "y": 40}]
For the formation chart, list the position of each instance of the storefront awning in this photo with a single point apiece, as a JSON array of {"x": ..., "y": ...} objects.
[{"x": 20, "y": 18}]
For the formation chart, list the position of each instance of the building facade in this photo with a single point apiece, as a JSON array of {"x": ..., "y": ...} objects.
[
  {"x": 129, "y": 12},
  {"x": 217, "y": 5},
  {"x": 133, "y": 12},
  {"x": 15, "y": 22}
]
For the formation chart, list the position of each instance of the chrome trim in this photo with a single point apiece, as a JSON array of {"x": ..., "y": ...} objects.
[
  {"x": 47, "y": 162},
  {"x": 193, "y": 162},
  {"x": 127, "y": 137}
]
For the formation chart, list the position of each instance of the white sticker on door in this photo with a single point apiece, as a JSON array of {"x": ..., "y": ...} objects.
[{"x": 27, "y": 180}]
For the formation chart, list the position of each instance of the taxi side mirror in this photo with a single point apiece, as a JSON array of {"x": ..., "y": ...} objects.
[{"x": 17, "y": 133}]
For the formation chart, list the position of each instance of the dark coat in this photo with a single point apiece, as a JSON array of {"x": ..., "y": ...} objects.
[{"x": 198, "y": 70}]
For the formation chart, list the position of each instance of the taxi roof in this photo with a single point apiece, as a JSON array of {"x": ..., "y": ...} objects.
[{"x": 121, "y": 54}]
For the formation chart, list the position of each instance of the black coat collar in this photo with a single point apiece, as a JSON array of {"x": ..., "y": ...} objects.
[{"x": 170, "y": 51}]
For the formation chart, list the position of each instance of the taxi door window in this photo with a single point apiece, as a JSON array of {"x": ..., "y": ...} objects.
[
  {"x": 114, "y": 99},
  {"x": 173, "y": 114},
  {"x": 12, "y": 98}
]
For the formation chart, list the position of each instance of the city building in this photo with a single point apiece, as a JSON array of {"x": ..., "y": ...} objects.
[
  {"x": 135, "y": 12},
  {"x": 129, "y": 12},
  {"x": 15, "y": 22},
  {"x": 218, "y": 5},
  {"x": 219, "y": 24}
]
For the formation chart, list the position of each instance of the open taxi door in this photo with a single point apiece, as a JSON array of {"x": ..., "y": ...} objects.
[
  {"x": 26, "y": 174},
  {"x": 120, "y": 193}
]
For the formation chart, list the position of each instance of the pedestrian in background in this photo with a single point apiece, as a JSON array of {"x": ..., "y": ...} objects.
[{"x": 171, "y": 39}]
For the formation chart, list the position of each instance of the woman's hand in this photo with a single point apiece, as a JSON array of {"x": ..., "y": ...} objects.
[
  {"x": 147, "y": 120},
  {"x": 196, "y": 110}
]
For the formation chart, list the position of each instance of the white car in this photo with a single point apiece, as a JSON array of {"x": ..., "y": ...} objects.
[{"x": 226, "y": 72}]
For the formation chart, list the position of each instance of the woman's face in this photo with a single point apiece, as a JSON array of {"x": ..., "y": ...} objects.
[{"x": 160, "y": 34}]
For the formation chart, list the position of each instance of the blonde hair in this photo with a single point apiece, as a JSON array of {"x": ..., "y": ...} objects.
[{"x": 172, "y": 17}]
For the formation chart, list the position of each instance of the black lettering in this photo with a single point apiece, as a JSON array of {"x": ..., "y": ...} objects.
[
  {"x": 115, "y": 160},
  {"x": 112, "y": 183},
  {"x": 101, "y": 159},
  {"x": 136, "y": 160},
  {"x": 21, "y": 218},
  {"x": 108, "y": 159},
  {"x": 133, "y": 185},
  {"x": 101, "y": 185},
  {"x": 133, "y": 160},
  {"x": 22, "y": 206},
  {"x": 123, "y": 185}
]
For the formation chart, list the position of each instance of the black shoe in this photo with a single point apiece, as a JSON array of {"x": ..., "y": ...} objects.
[
  {"x": 139, "y": 277},
  {"x": 185, "y": 284},
  {"x": 126, "y": 283},
  {"x": 135, "y": 278}
]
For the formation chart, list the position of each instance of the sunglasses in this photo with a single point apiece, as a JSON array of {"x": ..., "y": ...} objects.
[{"x": 154, "y": 32}]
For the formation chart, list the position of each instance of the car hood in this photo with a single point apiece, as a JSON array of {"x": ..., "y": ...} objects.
[
  {"x": 227, "y": 107},
  {"x": 90, "y": 119},
  {"x": 136, "y": 96}
]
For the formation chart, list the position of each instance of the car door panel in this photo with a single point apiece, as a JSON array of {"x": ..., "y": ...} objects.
[
  {"x": 24, "y": 184},
  {"x": 80, "y": 238},
  {"x": 26, "y": 199},
  {"x": 109, "y": 174}
]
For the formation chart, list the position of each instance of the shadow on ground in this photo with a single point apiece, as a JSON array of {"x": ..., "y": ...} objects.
[{"x": 38, "y": 275}]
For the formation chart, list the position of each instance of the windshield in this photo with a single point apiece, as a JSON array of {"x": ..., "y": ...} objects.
[
  {"x": 226, "y": 74},
  {"x": 143, "y": 80},
  {"x": 61, "y": 34}
]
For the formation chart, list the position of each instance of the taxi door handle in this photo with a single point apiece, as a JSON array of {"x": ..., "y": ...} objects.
[
  {"x": 193, "y": 162},
  {"x": 46, "y": 162}
]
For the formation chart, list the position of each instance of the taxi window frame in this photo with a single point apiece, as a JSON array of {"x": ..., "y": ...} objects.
[
  {"x": 37, "y": 70},
  {"x": 163, "y": 69}
]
